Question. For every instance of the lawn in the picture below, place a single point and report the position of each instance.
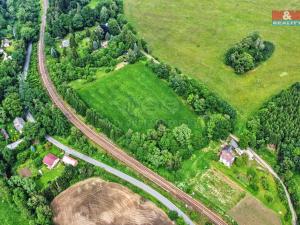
(134, 98)
(194, 35)
(9, 215)
(34, 163)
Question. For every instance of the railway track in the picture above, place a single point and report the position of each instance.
(102, 141)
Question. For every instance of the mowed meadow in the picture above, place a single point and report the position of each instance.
(134, 98)
(194, 35)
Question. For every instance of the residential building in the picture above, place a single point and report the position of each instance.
(15, 144)
(69, 161)
(65, 43)
(19, 124)
(5, 43)
(50, 161)
(226, 156)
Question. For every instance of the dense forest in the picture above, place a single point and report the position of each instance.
(277, 124)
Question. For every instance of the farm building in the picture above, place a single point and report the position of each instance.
(19, 124)
(226, 156)
(69, 161)
(50, 161)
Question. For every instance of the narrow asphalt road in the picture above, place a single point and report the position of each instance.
(105, 143)
(121, 175)
(264, 164)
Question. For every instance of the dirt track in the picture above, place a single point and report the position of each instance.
(106, 144)
(96, 202)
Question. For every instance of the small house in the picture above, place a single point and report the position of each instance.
(226, 156)
(5, 43)
(19, 124)
(65, 43)
(4, 133)
(15, 144)
(50, 161)
(69, 161)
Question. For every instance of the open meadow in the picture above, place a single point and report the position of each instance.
(134, 98)
(194, 35)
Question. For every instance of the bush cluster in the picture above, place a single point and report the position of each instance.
(248, 53)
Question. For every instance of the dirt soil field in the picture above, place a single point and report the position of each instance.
(96, 202)
(249, 206)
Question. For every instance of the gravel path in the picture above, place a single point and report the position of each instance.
(270, 169)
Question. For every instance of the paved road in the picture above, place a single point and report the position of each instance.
(102, 141)
(264, 164)
(121, 175)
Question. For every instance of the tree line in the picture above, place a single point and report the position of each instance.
(220, 117)
(277, 124)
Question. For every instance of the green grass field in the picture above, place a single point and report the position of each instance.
(194, 35)
(134, 98)
(9, 216)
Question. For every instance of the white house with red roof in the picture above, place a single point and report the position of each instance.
(69, 161)
(50, 161)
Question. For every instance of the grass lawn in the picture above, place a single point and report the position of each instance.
(194, 36)
(34, 163)
(50, 175)
(9, 215)
(134, 98)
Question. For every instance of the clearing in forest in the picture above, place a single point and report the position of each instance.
(134, 98)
